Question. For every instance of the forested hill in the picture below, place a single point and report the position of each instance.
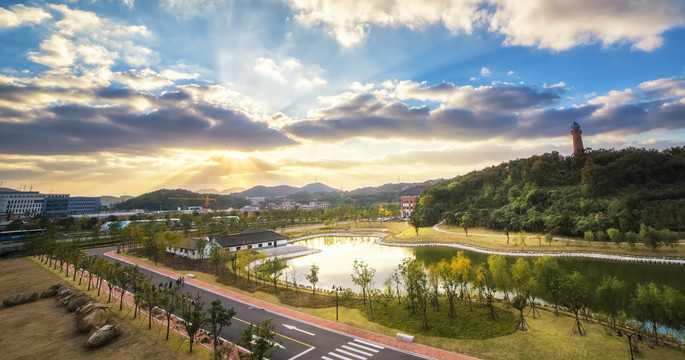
(164, 199)
(593, 191)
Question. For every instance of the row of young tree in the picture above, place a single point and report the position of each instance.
(522, 285)
(592, 191)
(195, 318)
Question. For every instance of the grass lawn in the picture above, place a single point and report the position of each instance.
(492, 240)
(41, 329)
(549, 336)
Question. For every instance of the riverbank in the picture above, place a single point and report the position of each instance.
(490, 242)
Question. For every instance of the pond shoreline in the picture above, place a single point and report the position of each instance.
(572, 254)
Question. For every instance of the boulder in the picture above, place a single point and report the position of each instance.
(65, 300)
(91, 316)
(32, 298)
(48, 294)
(103, 335)
(64, 291)
(56, 287)
(76, 302)
(15, 299)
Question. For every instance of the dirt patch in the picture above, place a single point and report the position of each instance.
(43, 330)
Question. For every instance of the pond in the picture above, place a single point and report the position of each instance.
(339, 252)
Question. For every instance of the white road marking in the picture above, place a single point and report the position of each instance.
(357, 350)
(368, 343)
(326, 358)
(350, 354)
(362, 346)
(302, 353)
(339, 356)
(292, 327)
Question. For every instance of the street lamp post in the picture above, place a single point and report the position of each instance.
(336, 288)
(630, 338)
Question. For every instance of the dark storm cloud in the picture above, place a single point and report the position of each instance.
(510, 112)
(511, 98)
(115, 93)
(76, 129)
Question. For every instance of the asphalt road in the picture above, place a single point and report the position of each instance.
(297, 339)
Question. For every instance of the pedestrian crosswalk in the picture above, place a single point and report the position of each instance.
(354, 350)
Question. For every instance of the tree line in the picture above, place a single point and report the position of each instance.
(592, 191)
(199, 321)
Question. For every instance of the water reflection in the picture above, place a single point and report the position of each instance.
(339, 252)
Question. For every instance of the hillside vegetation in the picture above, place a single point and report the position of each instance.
(590, 192)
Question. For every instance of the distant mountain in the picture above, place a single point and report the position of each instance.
(167, 199)
(285, 190)
(232, 190)
(109, 200)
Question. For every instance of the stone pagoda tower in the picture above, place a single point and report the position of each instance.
(577, 139)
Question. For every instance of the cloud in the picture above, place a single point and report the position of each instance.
(350, 20)
(491, 112)
(485, 72)
(56, 52)
(556, 25)
(289, 70)
(563, 25)
(19, 15)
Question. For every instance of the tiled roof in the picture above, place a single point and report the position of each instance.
(249, 237)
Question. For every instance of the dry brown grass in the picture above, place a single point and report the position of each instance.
(43, 330)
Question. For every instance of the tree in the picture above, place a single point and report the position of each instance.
(650, 237)
(616, 236)
(98, 269)
(574, 296)
(258, 340)
(487, 287)
(201, 246)
(589, 236)
(416, 283)
(150, 297)
(611, 297)
(521, 273)
(434, 281)
(192, 311)
(313, 277)
(659, 305)
(274, 270)
(218, 318)
(466, 223)
(462, 267)
(549, 276)
(549, 238)
(111, 274)
(217, 257)
(449, 276)
(630, 238)
(500, 274)
(362, 276)
(123, 280)
(170, 302)
(519, 303)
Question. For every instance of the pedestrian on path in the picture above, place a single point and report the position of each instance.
(183, 281)
(171, 284)
(178, 281)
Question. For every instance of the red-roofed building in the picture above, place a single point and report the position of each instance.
(408, 199)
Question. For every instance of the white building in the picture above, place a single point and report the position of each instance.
(26, 203)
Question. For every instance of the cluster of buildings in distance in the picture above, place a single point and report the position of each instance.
(15, 204)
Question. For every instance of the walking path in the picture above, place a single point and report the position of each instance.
(667, 261)
(342, 328)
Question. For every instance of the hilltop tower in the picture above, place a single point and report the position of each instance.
(577, 139)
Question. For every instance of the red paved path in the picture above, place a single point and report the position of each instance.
(350, 330)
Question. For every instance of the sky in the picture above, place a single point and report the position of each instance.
(116, 97)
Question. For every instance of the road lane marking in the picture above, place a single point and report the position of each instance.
(339, 356)
(293, 327)
(302, 353)
(362, 346)
(368, 343)
(357, 350)
(326, 358)
(350, 354)
(275, 333)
